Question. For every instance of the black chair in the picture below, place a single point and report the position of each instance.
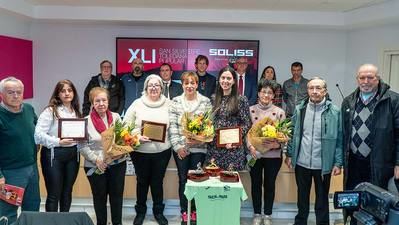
(54, 218)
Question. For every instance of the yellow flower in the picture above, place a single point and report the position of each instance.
(269, 131)
(124, 132)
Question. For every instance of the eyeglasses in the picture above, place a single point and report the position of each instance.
(17, 93)
(317, 88)
(241, 63)
(153, 85)
(268, 93)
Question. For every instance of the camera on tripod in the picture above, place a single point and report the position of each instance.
(371, 204)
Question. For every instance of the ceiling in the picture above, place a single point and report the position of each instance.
(270, 5)
(329, 14)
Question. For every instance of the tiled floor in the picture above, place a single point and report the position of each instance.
(283, 214)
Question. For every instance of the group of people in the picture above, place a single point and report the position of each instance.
(361, 136)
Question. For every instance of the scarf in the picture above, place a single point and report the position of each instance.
(98, 123)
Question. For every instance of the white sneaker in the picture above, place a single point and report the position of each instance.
(267, 220)
(257, 220)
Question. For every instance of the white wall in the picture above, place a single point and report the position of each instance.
(73, 51)
(14, 25)
(366, 46)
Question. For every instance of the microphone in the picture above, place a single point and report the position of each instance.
(339, 89)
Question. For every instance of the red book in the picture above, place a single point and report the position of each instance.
(12, 194)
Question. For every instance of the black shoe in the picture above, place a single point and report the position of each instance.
(161, 219)
(139, 219)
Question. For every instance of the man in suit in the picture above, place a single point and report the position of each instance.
(206, 81)
(247, 83)
(172, 89)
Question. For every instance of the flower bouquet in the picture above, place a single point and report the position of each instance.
(269, 130)
(198, 126)
(118, 140)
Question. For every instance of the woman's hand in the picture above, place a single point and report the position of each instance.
(252, 151)
(144, 139)
(271, 144)
(2, 183)
(67, 141)
(182, 153)
(230, 146)
(288, 162)
(101, 165)
(191, 142)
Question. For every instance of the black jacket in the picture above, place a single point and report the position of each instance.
(384, 154)
(116, 94)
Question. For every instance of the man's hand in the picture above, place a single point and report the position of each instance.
(66, 141)
(336, 171)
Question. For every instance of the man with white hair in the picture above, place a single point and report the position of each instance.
(371, 131)
(18, 149)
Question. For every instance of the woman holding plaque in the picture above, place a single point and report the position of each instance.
(270, 74)
(231, 112)
(150, 116)
(106, 179)
(187, 153)
(264, 171)
(59, 157)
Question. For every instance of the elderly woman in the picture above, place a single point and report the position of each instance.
(106, 179)
(152, 157)
(230, 110)
(59, 157)
(187, 153)
(267, 166)
(270, 74)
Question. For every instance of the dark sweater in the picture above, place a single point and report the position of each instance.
(18, 148)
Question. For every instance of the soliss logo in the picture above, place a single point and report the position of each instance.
(229, 52)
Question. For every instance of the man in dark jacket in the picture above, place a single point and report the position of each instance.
(112, 83)
(371, 131)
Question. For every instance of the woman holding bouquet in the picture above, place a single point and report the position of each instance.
(268, 164)
(230, 110)
(59, 157)
(187, 152)
(106, 179)
(152, 157)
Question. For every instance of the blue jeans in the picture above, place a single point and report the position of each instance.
(28, 178)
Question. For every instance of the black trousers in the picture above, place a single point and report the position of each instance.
(264, 173)
(183, 165)
(111, 183)
(303, 177)
(150, 170)
(59, 177)
(358, 171)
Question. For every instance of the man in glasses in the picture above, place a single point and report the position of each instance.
(315, 150)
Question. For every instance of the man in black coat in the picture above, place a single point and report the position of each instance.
(112, 83)
(371, 131)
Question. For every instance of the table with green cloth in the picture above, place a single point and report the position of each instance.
(217, 203)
